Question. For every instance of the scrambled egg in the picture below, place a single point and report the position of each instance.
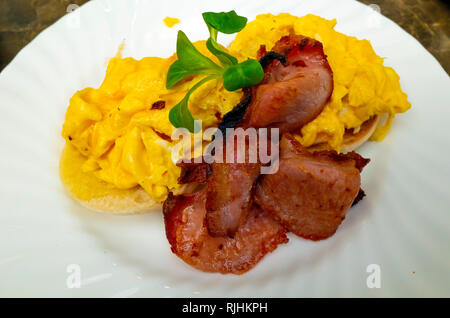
(363, 87)
(170, 22)
(117, 139)
(123, 140)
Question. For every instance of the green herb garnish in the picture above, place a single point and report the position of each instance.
(191, 62)
(225, 22)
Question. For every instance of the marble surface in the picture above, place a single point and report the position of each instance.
(426, 20)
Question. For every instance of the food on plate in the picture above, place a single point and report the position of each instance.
(320, 94)
(123, 138)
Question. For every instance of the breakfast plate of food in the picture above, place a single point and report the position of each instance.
(224, 149)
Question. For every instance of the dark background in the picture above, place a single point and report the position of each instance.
(427, 20)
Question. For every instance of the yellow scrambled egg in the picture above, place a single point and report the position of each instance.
(122, 139)
(117, 139)
(363, 87)
(170, 22)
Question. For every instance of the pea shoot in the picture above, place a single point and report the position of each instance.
(190, 62)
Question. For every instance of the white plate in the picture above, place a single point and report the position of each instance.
(402, 225)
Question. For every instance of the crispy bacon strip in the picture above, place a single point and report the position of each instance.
(184, 218)
(292, 93)
(311, 193)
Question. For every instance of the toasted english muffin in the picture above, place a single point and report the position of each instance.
(100, 196)
(96, 194)
(352, 141)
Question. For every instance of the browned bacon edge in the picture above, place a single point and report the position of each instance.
(193, 172)
(186, 231)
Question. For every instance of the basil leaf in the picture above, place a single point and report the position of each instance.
(180, 116)
(191, 59)
(242, 75)
(224, 58)
(225, 22)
